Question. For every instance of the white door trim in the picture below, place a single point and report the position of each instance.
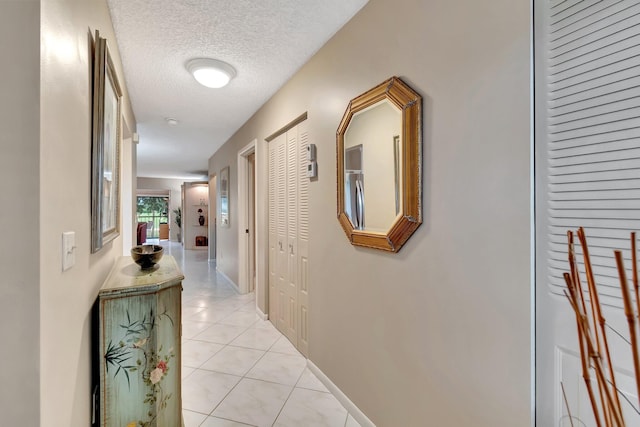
(243, 216)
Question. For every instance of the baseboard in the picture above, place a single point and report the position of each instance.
(225, 277)
(261, 315)
(355, 412)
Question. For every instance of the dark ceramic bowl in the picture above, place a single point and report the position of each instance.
(146, 256)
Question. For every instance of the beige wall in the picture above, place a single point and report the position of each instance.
(19, 213)
(65, 155)
(440, 332)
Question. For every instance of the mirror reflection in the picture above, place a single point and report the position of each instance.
(372, 153)
(379, 153)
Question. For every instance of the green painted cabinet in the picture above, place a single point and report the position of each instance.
(137, 331)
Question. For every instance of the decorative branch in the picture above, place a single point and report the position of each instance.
(592, 341)
(629, 313)
(575, 287)
(595, 302)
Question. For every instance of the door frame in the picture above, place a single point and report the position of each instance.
(213, 215)
(244, 266)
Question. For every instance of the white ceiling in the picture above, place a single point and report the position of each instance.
(266, 41)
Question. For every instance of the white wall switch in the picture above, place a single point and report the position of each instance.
(68, 250)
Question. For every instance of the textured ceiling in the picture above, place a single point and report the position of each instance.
(266, 41)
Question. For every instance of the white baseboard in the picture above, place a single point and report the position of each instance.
(225, 277)
(355, 412)
(261, 315)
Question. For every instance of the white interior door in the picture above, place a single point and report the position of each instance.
(289, 235)
(587, 79)
(273, 235)
(302, 253)
(290, 290)
(251, 205)
(282, 254)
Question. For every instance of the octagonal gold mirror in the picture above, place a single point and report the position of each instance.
(379, 154)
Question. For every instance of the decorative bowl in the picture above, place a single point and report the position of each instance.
(146, 256)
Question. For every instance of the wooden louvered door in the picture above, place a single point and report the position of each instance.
(587, 174)
(289, 235)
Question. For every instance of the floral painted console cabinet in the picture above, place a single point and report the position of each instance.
(137, 331)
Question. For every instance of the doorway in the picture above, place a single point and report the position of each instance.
(213, 214)
(586, 169)
(247, 218)
(154, 211)
(288, 232)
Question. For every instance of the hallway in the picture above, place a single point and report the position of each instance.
(238, 370)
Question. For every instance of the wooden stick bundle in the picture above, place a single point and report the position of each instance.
(591, 326)
(597, 313)
(575, 288)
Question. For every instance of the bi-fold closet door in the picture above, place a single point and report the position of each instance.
(289, 235)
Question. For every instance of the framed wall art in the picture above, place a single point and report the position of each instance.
(224, 197)
(105, 148)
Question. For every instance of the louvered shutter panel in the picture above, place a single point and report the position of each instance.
(292, 184)
(273, 236)
(303, 241)
(593, 134)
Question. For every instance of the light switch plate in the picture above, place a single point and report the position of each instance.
(68, 250)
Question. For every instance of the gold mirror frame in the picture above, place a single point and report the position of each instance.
(410, 104)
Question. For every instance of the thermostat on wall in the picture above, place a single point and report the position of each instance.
(312, 169)
(311, 152)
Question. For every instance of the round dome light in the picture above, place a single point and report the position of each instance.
(211, 72)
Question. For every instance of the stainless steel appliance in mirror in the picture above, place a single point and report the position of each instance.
(354, 186)
(379, 166)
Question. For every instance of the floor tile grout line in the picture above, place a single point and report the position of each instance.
(287, 399)
(240, 305)
(225, 396)
(228, 419)
(244, 376)
(234, 387)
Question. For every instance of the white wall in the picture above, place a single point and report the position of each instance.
(65, 156)
(129, 199)
(19, 213)
(438, 333)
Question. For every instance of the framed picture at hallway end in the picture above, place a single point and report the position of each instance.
(105, 148)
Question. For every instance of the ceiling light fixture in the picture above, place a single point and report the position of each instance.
(211, 72)
(171, 121)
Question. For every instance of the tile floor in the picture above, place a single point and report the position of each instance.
(238, 370)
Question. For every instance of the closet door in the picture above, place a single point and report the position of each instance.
(587, 174)
(302, 253)
(282, 257)
(273, 236)
(289, 235)
(290, 291)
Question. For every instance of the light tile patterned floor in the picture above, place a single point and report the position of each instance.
(238, 370)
